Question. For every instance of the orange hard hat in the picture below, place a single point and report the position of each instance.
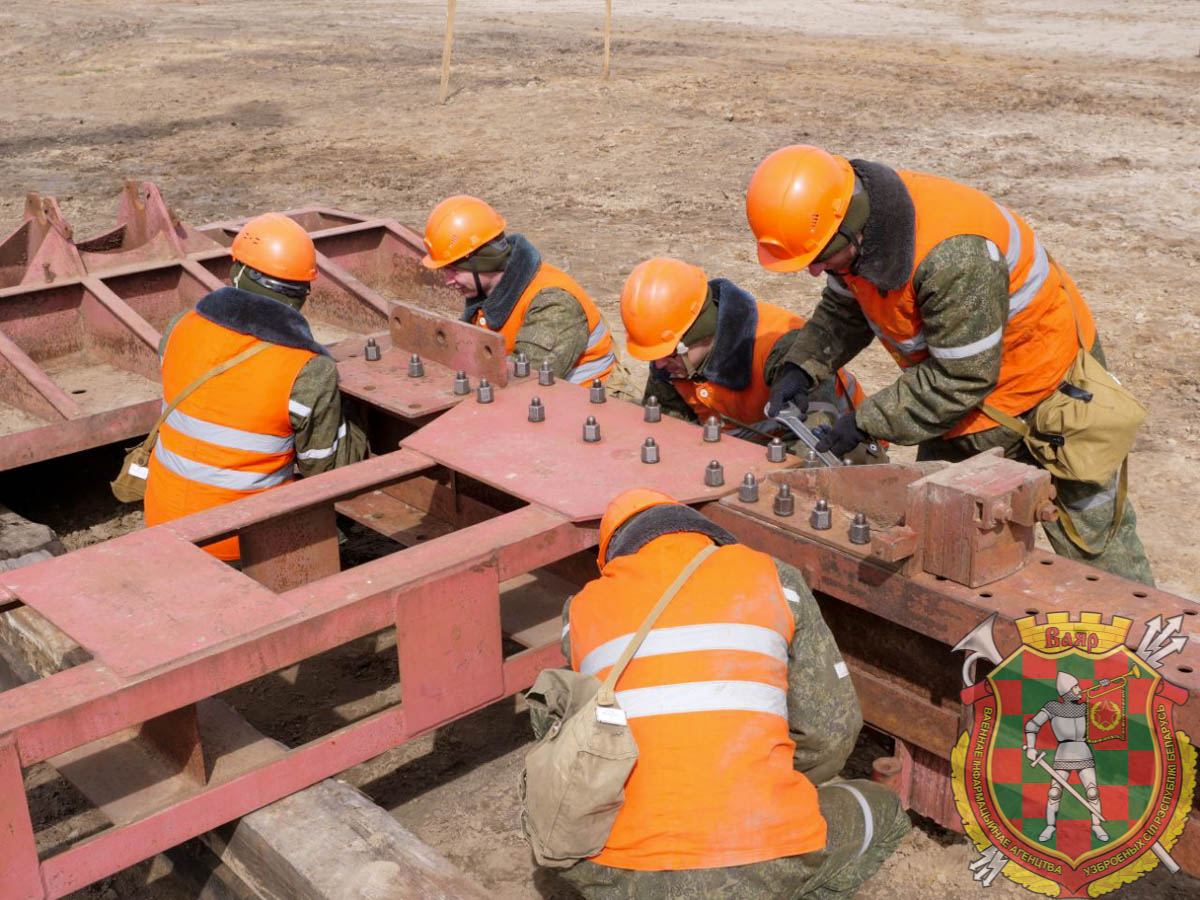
(276, 246)
(624, 507)
(661, 299)
(457, 227)
(795, 203)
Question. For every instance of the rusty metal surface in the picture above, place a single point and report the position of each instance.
(80, 321)
(550, 464)
(456, 345)
(385, 383)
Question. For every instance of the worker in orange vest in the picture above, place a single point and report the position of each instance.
(739, 703)
(716, 351)
(539, 309)
(961, 293)
(276, 414)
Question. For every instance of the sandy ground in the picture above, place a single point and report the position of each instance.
(1081, 116)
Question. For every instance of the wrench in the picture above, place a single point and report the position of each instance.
(790, 417)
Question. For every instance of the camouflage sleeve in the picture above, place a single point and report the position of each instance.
(326, 437)
(962, 292)
(822, 409)
(835, 334)
(555, 325)
(162, 341)
(671, 400)
(566, 630)
(824, 717)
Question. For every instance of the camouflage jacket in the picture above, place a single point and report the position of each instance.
(326, 435)
(961, 291)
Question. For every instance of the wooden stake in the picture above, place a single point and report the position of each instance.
(607, 33)
(446, 51)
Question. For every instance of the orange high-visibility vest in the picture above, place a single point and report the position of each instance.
(747, 406)
(597, 359)
(706, 698)
(233, 436)
(1039, 340)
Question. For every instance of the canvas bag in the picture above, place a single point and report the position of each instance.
(1083, 431)
(130, 483)
(573, 784)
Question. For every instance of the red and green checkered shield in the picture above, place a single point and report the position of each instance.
(1132, 742)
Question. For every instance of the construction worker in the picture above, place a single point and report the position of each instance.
(962, 294)
(715, 350)
(538, 308)
(739, 703)
(275, 414)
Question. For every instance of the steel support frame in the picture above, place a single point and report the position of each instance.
(443, 598)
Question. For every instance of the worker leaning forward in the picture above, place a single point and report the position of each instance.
(715, 350)
(270, 416)
(739, 704)
(539, 309)
(963, 296)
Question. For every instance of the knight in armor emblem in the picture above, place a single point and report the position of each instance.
(1068, 720)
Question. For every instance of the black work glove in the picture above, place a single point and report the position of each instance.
(792, 384)
(840, 438)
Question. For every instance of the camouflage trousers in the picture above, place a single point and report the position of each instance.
(855, 849)
(1091, 507)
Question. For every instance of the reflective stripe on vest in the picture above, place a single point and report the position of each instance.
(224, 436)
(325, 452)
(587, 371)
(228, 479)
(703, 696)
(690, 638)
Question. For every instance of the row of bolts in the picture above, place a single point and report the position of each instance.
(821, 517)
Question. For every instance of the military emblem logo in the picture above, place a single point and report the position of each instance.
(1072, 779)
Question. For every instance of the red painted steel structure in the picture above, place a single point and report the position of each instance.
(478, 495)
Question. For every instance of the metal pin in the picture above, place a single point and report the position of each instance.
(821, 518)
(545, 373)
(596, 393)
(712, 429)
(811, 460)
(462, 384)
(860, 529)
(537, 412)
(714, 474)
(650, 451)
(591, 430)
(776, 452)
(416, 368)
(371, 351)
(484, 393)
(748, 491)
(521, 365)
(652, 411)
(785, 503)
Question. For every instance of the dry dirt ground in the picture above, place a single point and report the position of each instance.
(1081, 116)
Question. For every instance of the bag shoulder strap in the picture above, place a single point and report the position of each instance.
(1012, 423)
(606, 696)
(256, 347)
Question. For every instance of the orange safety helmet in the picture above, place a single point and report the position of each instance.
(457, 227)
(624, 507)
(795, 203)
(661, 299)
(276, 246)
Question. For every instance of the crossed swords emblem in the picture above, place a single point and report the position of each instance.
(1159, 641)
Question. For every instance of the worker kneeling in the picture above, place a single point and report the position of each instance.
(251, 398)
(716, 351)
(735, 703)
(539, 309)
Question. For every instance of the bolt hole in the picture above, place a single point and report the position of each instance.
(1189, 612)
(1185, 669)
(1047, 562)
(487, 351)
(79, 391)
(440, 337)
(1093, 577)
(368, 387)
(940, 577)
(985, 593)
(1140, 594)
(1031, 612)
